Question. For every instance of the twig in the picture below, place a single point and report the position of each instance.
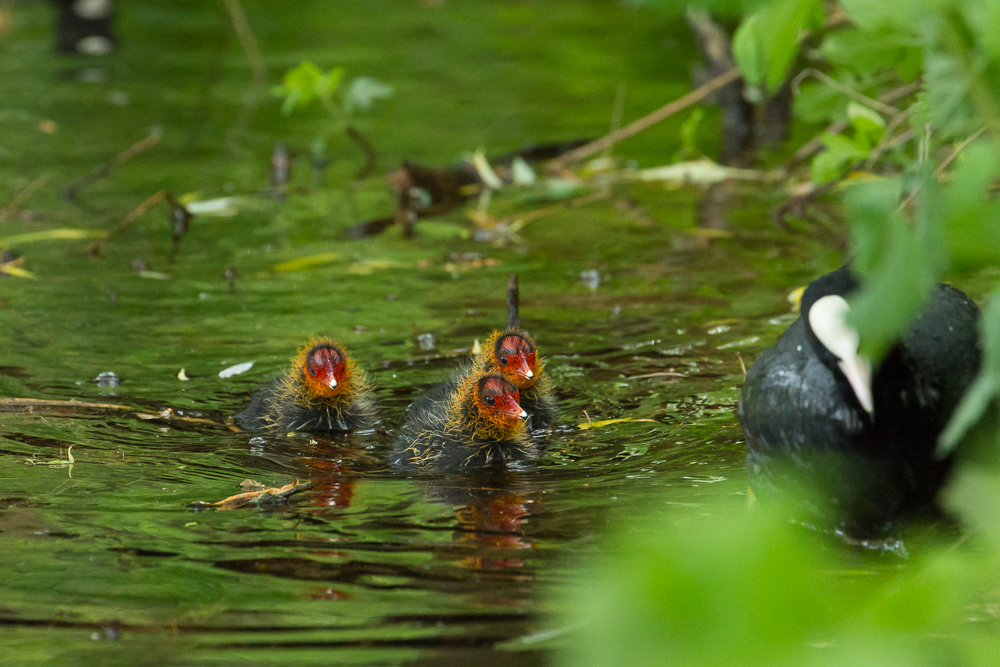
(105, 169)
(888, 139)
(616, 115)
(247, 40)
(371, 156)
(954, 154)
(24, 193)
(637, 126)
(29, 404)
(815, 145)
(846, 90)
(513, 302)
(258, 69)
(939, 172)
(136, 213)
(521, 220)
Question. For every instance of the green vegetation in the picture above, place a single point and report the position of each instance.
(918, 183)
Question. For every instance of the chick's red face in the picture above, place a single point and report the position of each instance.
(499, 397)
(325, 367)
(515, 357)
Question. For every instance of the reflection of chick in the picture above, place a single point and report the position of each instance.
(513, 354)
(478, 423)
(324, 390)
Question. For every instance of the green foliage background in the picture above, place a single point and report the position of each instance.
(921, 203)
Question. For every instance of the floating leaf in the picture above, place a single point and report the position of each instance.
(153, 275)
(363, 91)
(607, 422)
(60, 234)
(306, 262)
(236, 370)
(256, 497)
(223, 207)
(15, 271)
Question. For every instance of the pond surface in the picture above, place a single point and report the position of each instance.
(104, 561)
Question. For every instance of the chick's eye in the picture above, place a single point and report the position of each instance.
(490, 400)
(503, 361)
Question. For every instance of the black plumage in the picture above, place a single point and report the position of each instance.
(807, 429)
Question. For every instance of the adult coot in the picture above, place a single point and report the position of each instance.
(858, 444)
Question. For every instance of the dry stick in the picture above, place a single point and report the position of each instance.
(616, 115)
(136, 213)
(846, 90)
(522, 220)
(247, 40)
(24, 193)
(18, 404)
(513, 302)
(371, 156)
(939, 172)
(117, 161)
(257, 66)
(637, 126)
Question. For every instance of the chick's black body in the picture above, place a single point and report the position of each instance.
(272, 409)
(806, 429)
(443, 432)
(323, 390)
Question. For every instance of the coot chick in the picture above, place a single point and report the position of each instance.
(859, 442)
(324, 390)
(513, 354)
(477, 424)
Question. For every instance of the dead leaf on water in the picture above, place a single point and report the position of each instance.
(709, 233)
(365, 267)
(168, 414)
(256, 497)
(236, 370)
(60, 234)
(306, 262)
(721, 323)
(153, 275)
(607, 422)
(13, 268)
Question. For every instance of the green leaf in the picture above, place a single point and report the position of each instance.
(304, 84)
(872, 205)
(944, 101)
(868, 125)
(817, 102)
(900, 263)
(839, 154)
(972, 224)
(767, 42)
(865, 51)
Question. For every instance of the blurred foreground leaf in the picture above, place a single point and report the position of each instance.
(749, 589)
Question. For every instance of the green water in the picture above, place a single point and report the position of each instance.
(103, 562)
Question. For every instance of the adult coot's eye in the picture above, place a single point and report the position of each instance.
(503, 361)
(490, 400)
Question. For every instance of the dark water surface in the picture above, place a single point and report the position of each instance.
(102, 560)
